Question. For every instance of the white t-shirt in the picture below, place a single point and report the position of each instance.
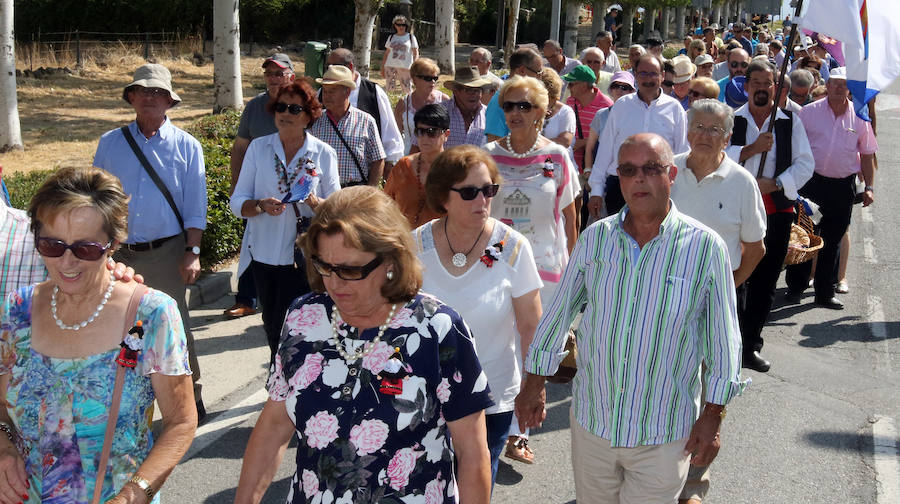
(561, 122)
(483, 297)
(531, 201)
(401, 47)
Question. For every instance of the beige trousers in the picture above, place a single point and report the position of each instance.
(643, 475)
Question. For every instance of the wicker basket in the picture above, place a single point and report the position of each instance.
(797, 252)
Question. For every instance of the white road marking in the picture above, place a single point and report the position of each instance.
(869, 250)
(209, 432)
(887, 460)
(867, 215)
(877, 324)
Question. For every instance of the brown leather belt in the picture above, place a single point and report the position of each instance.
(145, 246)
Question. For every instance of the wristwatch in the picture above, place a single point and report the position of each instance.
(778, 184)
(259, 207)
(144, 485)
(194, 250)
(870, 188)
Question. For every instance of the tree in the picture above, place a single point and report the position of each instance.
(627, 24)
(227, 56)
(570, 39)
(10, 131)
(445, 35)
(511, 28)
(362, 33)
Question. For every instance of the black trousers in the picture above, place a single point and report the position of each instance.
(277, 287)
(835, 199)
(614, 200)
(756, 295)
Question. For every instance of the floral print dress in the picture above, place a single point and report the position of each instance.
(358, 441)
(60, 406)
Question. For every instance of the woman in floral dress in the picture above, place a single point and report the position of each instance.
(372, 376)
(273, 165)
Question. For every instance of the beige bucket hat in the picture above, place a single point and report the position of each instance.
(152, 75)
(338, 74)
(467, 77)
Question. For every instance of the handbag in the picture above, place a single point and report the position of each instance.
(153, 175)
(568, 367)
(130, 314)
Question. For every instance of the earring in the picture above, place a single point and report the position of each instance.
(390, 274)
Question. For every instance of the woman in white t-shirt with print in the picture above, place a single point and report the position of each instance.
(484, 270)
(400, 50)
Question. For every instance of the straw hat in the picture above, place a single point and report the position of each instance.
(338, 74)
(152, 75)
(684, 69)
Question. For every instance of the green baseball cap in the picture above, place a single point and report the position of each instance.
(581, 73)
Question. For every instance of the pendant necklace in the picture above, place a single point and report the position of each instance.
(459, 259)
(83, 323)
(360, 352)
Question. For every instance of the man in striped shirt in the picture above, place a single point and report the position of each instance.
(658, 296)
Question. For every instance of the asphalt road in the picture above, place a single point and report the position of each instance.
(819, 427)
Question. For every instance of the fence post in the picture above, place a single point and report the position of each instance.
(146, 45)
(79, 62)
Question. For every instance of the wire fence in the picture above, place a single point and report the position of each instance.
(75, 47)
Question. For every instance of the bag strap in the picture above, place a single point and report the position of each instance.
(113, 417)
(153, 175)
(352, 154)
(287, 183)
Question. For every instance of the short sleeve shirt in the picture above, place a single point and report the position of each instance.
(401, 47)
(361, 134)
(256, 121)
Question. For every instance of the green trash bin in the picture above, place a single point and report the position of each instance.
(314, 56)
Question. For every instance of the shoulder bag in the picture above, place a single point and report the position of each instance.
(153, 175)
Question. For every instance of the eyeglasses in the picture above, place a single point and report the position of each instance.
(668, 83)
(648, 75)
(350, 273)
(428, 78)
(535, 72)
(150, 91)
(522, 106)
(593, 62)
(402, 24)
(279, 74)
(695, 94)
(84, 250)
(708, 130)
(469, 193)
(469, 90)
(621, 87)
(649, 169)
(742, 64)
(429, 132)
(293, 108)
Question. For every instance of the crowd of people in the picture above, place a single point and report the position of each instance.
(423, 268)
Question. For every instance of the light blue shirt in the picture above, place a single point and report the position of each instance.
(177, 158)
(495, 120)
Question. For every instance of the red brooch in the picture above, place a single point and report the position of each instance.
(310, 167)
(492, 254)
(549, 167)
(131, 346)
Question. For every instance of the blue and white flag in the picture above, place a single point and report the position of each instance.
(870, 33)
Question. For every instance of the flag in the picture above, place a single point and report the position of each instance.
(871, 42)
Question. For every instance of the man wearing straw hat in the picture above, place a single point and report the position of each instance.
(466, 110)
(684, 72)
(350, 131)
(161, 167)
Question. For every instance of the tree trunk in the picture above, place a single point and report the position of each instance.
(227, 56)
(570, 39)
(362, 33)
(512, 26)
(679, 23)
(627, 25)
(10, 131)
(597, 23)
(444, 36)
(555, 12)
(717, 15)
(666, 22)
(649, 18)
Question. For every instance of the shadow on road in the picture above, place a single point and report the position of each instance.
(276, 493)
(842, 440)
(844, 329)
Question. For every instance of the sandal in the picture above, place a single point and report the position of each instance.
(517, 449)
(842, 287)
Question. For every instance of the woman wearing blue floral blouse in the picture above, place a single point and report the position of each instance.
(371, 376)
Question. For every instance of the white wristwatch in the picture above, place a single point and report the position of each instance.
(193, 250)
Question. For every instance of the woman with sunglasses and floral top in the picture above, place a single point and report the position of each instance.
(400, 50)
(485, 270)
(62, 345)
(372, 376)
(283, 178)
(425, 75)
(406, 183)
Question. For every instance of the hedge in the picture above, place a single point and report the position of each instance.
(222, 238)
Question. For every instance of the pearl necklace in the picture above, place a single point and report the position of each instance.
(360, 352)
(83, 323)
(527, 153)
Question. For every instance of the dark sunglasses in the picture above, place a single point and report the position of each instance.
(293, 108)
(649, 169)
(695, 94)
(668, 83)
(469, 193)
(429, 132)
(84, 250)
(523, 106)
(428, 78)
(621, 87)
(742, 64)
(402, 24)
(351, 273)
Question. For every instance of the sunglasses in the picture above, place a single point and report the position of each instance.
(469, 193)
(428, 78)
(621, 87)
(148, 91)
(278, 74)
(649, 169)
(695, 94)
(648, 75)
(742, 64)
(522, 106)
(429, 132)
(668, 83)
(84, 250)
(293, 108)
(350, 273)
(402, 24)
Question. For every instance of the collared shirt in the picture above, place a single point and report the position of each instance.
(727, 200)
(612, 63)
(361, 134)
(584, 114)
(494, 119)
(837, 141)
(459, 135)
(570, 63)
(22, 265)
(801, 168)
(391, 139)
(256, 121)
(647, 326)
(629, 116)
(177, 158)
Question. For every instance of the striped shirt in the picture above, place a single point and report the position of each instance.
(459, 134)
(361, 134)
(21, 264)
(651, 316)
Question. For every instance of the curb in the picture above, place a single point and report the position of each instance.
(212, 286)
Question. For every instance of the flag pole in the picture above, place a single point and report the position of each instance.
(789, 53)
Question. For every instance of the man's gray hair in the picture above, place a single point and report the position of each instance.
(802, 77)
(591, 50)
(554, 44)
(713, 107)
(637, 46)
(482, 52)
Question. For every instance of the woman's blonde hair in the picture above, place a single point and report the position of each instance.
(709, 86)
(372, 222)
(535, 91)
(424, 66)
(553, 84)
